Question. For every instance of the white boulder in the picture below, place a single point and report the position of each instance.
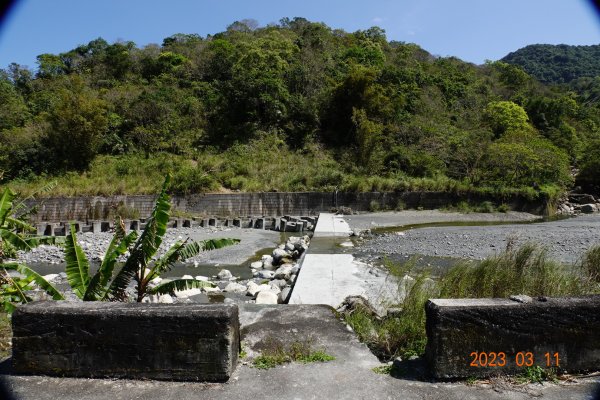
(265, 274)
(266, 297)
(256, 265)
(283, 272)
(234, 288)
(224, 275)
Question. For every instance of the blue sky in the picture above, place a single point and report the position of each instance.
(473, 30)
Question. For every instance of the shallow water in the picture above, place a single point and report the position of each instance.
(402, 228)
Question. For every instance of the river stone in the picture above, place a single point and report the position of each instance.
(252, 289)
(235, 288)
(256, 265)
(289, 247)
(278, 254)
(165, 299)
(210, 289)
(268, 265)
(184, 294)
(51, 278)
(202, 278)
(262, 287)
(284, 295)
(581, 198)
(283, 272)
(589, 208)
(264, 274)
(266, 297)
(280, 283)
(156, 280)
(267, 258)
(187, 277)
(274, 288)
(224, 275)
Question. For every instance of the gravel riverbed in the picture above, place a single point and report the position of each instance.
(95, 245)
(566, 239)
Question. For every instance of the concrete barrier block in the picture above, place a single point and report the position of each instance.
(41, 229)
(196, 342)
(482, 337)
(96, 226)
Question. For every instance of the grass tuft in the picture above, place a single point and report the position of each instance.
(524, 270)
(276, 353)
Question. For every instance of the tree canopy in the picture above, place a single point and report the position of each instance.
(358, 106)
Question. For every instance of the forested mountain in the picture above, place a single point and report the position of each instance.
(294, 106)
(557, 63)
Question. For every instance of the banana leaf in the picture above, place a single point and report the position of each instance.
(37, 278)
(15, 239)
(78, 267)
(6, 205)
(146, 245)
(99, 284)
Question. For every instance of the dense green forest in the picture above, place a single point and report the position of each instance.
(290, 107)
(557, 63)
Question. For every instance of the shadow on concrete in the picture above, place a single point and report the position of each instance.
(410, 370)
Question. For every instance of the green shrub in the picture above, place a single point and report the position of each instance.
(503, 208)
(485, 207)
(590, 264)
(403, 335)
(526, 270)
(374, 206)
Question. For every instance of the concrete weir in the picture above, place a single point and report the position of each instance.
(327, 278)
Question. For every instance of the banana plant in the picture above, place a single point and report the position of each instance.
(138, 266)
(14, 290)
(16, 232)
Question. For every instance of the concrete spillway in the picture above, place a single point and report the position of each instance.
(327, 278)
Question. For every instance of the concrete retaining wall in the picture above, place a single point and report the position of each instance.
(55, 209)
(462, 334)
(196, 342)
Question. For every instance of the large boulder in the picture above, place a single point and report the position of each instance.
(581, 198)
(233, 287)
(224, 275)
(284, 295)
(266, 297)
(184, 294)
(284, 272)
(279, 254)
(252, 289)
(589, 208)
(265, 274)
(256, 265)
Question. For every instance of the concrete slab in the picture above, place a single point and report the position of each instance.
(332, 225)
(327, 279)
(349, 376)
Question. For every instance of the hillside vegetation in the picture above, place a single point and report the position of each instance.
(557, 63)
(294, 106)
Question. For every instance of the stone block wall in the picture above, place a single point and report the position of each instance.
(483, 337)
(191, 342)
(55, 209)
